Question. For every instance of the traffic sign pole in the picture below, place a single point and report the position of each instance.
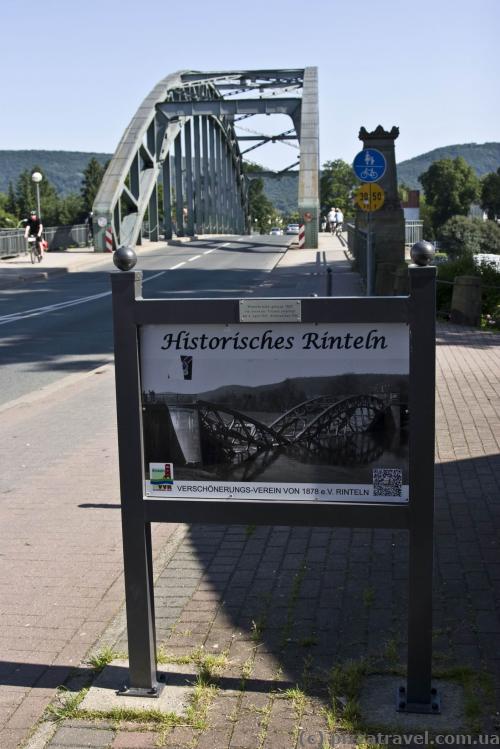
(369, 257)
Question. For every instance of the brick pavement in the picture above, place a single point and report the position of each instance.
(60, 539)
(286, 606)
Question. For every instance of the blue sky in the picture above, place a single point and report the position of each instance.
(429, 66)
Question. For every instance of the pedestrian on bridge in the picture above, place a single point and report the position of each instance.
(331, 219)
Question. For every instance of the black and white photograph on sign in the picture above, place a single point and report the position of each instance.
(276, 411)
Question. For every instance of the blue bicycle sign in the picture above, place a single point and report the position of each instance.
(369, 165)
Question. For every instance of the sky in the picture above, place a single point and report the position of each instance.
(74, 73)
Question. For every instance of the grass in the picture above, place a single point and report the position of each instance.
(368, 597)
(479, 692)
(344, 686)
(99, 660)
(294, 594)
(258, 627)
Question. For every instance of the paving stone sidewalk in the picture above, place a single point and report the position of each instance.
(283, 624)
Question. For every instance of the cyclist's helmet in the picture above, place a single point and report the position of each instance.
(32, 213)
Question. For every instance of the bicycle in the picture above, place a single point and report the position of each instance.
(369, 173)
(35, 249)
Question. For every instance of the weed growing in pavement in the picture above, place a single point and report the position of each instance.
(246, 672)
(250, 530)
(65, 705)
(391, 654)
(296, 586)
(368, 597)
(203, 695)
(264, 723)
(299, 702)
(103, 657)
(344, 687)
(479, 692)
(258, 627)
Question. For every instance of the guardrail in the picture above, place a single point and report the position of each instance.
(12, 241)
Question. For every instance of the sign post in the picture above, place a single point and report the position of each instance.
(236, 411)
(369, 166)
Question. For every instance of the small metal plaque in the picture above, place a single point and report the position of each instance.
(270, 310)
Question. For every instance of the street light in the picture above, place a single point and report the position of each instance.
(36, 177)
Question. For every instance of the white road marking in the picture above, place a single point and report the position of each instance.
(38, 311)
(179, 265)
(207, 252)
(156, 275)
(195, 257)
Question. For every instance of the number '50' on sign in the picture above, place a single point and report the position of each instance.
(369, 197)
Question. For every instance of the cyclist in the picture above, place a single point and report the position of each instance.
(34, 228)
(331, 220)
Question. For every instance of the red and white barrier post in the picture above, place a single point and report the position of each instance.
(302, 236)
(108, 241)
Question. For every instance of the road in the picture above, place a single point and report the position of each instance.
(60, 326)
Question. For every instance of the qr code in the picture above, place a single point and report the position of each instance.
(387, 482)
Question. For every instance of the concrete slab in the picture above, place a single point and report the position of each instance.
(174, 698)
(378, 707)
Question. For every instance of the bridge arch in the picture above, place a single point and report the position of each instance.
(180, 156)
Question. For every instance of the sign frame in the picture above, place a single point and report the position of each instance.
(131, 310)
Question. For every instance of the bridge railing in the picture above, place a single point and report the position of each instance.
(413, 231)
(12, 241)
(357, 242)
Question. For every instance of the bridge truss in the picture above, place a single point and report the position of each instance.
(178, 167)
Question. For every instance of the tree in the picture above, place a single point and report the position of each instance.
(450, 186)
(71, 210)
(336, 184)
(11, 205)
(92, 178)
(462, 236)
(26, 197)
(262, 211)
(7, 220)
(490, 194)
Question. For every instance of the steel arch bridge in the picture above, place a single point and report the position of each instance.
(181, 159)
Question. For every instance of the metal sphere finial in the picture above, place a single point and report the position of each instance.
(124, 258)
(422, 253)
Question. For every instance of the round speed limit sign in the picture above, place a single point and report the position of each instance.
(369, 196)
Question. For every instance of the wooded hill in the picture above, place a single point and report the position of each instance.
(64, 169)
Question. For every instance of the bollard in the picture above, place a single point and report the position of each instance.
(466, 301)
(328, 281)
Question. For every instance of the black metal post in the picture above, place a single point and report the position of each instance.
(328, 281)
(126, 288)
(419, 695)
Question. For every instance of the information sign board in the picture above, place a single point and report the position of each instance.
(282, 411)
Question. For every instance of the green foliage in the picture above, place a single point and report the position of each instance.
(71, 210)
(92, 178)
(263, 215)
(251, 166)
(426, 215)
(451, 186)
(490, 194)
(336, 183)
(7, 219)
(465, 266)
(25, 192)
(468, 236)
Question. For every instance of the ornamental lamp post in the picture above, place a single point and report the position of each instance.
(36, 177)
